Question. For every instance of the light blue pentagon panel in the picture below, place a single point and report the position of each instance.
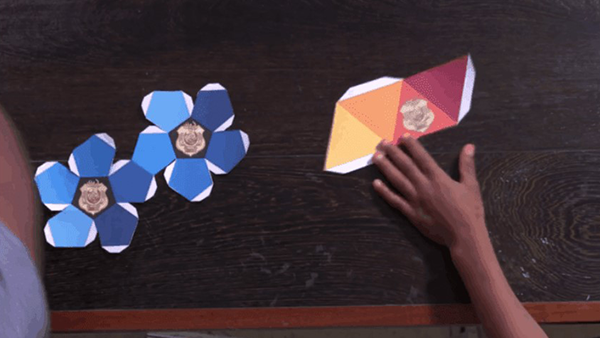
(116, 227)
(167, 109)
(212, 108)
(93, 157)
(226, 150)
(70, 228)
(153, 150)
(131, 183)
(190, 178)
(56, 185)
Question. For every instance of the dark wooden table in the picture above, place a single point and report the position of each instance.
(280, 243)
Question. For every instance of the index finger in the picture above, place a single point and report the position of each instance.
(420, 155)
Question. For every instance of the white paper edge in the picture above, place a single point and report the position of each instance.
(214, 168)
(153, 130)
(467, 93)
(56, 206)
(245, 140)
(203, 194)
(73, 165)
(169, 171)
(117, 165)
(44, 167)
(107, 139)
(130, 208)
(92, 234)
(48, 234)
(213, 86)
(352, 165)
(146, 102)
(225, 124)
(369, 86)
(188, 102)
(152, 189)
(115, 248)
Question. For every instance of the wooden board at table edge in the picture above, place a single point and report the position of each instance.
(304, 317)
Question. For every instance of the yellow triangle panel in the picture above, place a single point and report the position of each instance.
(377, 109)
(351, 143)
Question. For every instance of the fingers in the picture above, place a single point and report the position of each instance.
(395, 200)
(466, 165)
(420, 155)
(403, 162)
(395, 176)
(417, 217)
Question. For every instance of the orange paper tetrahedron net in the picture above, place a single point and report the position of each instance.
(387, 108)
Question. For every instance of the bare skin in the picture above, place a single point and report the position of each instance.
(451, 213)
(18, 207)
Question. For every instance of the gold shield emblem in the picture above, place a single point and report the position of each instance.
(417, 116)
(93, 197)
(190, 138)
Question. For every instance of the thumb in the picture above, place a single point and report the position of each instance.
(467, 165)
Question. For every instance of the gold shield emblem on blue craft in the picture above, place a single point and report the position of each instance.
(190, 139)
(93, 197)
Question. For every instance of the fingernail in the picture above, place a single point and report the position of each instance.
(470, 150)
(406, 136)
(377, 182)
(378, 156)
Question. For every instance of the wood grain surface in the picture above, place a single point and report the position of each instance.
(278, 231)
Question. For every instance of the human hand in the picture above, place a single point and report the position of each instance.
(447, 211)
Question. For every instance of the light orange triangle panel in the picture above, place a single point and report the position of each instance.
(351, 143)
(376, 109)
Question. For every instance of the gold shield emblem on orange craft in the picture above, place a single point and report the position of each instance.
(417, 116)
(93, 197)
(190, 139)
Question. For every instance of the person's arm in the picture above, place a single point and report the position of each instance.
(18, 207)
(451, 213)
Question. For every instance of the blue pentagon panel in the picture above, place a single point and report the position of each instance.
(167, 110)
(70, 228)
(153, 150)
(56, 184)
(116, 227)
(226, 150)
(93, 157)
(190, 178)
(131, 183)
(213, 108)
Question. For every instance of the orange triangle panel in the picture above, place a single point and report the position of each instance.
(376, 109)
